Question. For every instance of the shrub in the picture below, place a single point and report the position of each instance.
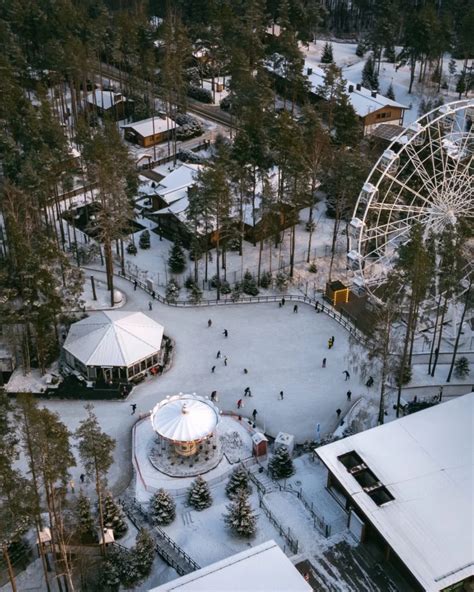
(406, 375)
(312, 267)
(172, 291)
(200, 94)
(223, 284)
(265, 280)
(249, 285)
(282, 281)
(226, 104)
(461, 367)
(132, 249)
(145, 240)
(194, 294)
(236, 292)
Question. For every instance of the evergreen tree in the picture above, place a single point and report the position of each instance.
(238, 480)
(327, 56)
(194, 293)
(145, 240)
(85, 521)
(281, 465)
(390, 94)
(370, 78)
(461, 367)
(162, 508)
(95, 451)
(361, 48)
(176, 259)
(249, 285)
(346, 122)
(114, 517)
(199, 494)
(172, 291)
(461, 85)
(144, 553)
(240, 517)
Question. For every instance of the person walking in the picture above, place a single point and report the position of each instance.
(134, 408)
(135, 284)
(247, 392)
(213, 369)
(209, 323)
(324, 362)
(338, 411)
(295, 308)
(281, 395)
(239, 404)
(254, 415)
(283, 302)
(349, 395)
(150, 306)
(82, 477)
(329, 344)
(225, 333)
(153, 294)
(246, 371)
(218, 355)
(213, 395)
(225, 360)
(332, 340)
(369, 382)
(346, 374)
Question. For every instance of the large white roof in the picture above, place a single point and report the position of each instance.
(174, 186)
(264, 568)
(184, 418)
(153, 125)
(426, 461)
(114, 338)
(362, 100)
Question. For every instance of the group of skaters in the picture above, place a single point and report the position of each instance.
(282, 303)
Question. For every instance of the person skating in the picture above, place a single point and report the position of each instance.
(247, 392)
(324, 362)
(82, 477)
(135, 284)
(369, 382)
(150, 306)
(254, 415)
(295, 308)
(213, 395)
(134, 408)
(283, 302)
(338, 411)
(246, 371)
(332, 339)
(349, 395)
(209, 323)
(239, 403)
(225, 360)
(153, 294)
(225, 333)
(213, 369)
(281, 396)
(329, 344)
(218, 355)
(346, 374)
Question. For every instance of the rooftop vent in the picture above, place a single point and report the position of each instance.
(309, 71)
(374, 93)
(358, 86)
(351, 88)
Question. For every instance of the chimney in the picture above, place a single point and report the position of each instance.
(351, 88)
(374, 93)
(358, 86)
(309, 71)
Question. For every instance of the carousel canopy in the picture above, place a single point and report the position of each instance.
(114, 338)
(184, 418)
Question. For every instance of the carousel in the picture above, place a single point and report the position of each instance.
(186, 441)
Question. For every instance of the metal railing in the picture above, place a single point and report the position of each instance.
(291, 541)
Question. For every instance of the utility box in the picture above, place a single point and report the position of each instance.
(286, 441)
(260, 444)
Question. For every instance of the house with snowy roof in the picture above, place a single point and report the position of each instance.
(107, 103)
(149, 132)
(408, 486)
(371, 107)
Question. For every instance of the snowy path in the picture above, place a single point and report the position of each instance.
(280, 349)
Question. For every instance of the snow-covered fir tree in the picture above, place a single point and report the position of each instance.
(346, 122)
(144, 553)
(85, 521)
(461, 367)
(238, 481)
(194, 293)
(249, 285)
(199, 494)
(327, 56)
(144, 241)
(114, 517)
(162, 508)
(281, 465)
(390, 94)
(240, 517)
(172, 290)
(176, 259)
(370, 78)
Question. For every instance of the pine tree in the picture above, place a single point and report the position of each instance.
(194, 293)
(390, 94)
(327, 56)
(370, 78)
(249, 285)
(162, 508)
(346, 122)
(461, 85)
(361, 49)
(281, 465)
(114, 517)
(177, 259)
(144, 553)
(461, 367)
(199, 494)
(85, 521)
(240, 517)
(145, 240)
(95, 451)
(238, 480)
(172, 291)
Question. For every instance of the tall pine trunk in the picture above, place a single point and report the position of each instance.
(459, 331)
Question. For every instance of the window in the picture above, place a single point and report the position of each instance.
(366, 478)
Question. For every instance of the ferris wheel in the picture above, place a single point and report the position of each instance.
(425, 177)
